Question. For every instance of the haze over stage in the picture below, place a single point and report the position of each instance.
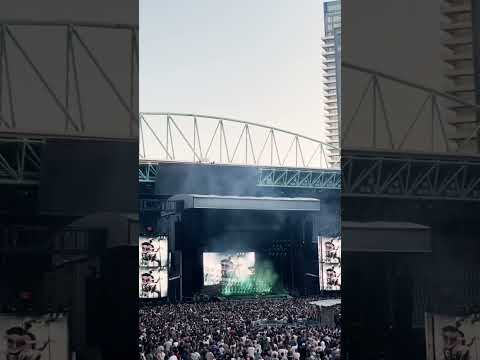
(195, 201)
(223, 209)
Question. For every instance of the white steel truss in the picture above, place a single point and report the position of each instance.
(19, 53)
(211, 139)
(433, 113)
(20, 160)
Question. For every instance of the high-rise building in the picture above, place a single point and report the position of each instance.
(331, 76)
(461, 24)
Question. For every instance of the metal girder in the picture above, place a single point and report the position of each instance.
(147, 172)
(318, 179)
(410, 176)
(20, 160)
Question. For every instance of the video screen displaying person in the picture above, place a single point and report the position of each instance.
(331, 277)
(453, 338)
(330, 268)
(35, 338)
(454, 347)
(222, 268)
(330, 250)
(153, 283)
(228, 269)
(153, 252)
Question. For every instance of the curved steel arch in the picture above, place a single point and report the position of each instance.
(183, 129)
(451, 172)
(433, 109)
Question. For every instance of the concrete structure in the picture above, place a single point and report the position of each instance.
(457, 25)
(331, 89)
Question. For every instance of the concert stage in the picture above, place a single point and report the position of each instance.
(235, 245)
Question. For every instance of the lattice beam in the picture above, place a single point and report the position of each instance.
(20, 161)
(301, 179)
(410, 176)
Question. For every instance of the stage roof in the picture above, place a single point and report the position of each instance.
(384, 236)
(383, 225)
(193, 201)
(117, 225)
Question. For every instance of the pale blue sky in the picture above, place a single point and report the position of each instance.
(255, 60)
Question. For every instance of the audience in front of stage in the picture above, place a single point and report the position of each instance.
(262, 329)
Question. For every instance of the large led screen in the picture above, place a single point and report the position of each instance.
(331, 277)
(34, 337)
(153, 283)
(233, 273)
(330, 250)
(153, 270)
(153, 252)
(450, 337)
(330, 268)
(228, 268)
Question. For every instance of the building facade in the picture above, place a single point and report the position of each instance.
(331, 76)
(460, 20)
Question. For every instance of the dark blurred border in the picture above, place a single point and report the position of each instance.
(410, 171)
(68, 173)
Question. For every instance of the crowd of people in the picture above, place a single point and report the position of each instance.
(257, 329)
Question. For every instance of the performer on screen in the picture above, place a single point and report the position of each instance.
(227, 269)
(21, 344)
(150, 254)
(332, 278)
(150, 288)
(331, 252)
(16, 342)
(454, 347)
